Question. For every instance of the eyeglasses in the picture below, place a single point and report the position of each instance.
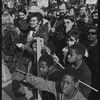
(92, 33)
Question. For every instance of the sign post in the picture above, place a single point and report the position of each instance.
(40, 44)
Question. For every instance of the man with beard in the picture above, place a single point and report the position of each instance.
(59, 24)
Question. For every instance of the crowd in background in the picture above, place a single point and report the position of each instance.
(64, 27)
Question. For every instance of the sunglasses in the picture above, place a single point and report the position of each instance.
(92, 33)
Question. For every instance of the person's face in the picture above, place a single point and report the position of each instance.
(95, 16)
(82, 10)
(81, 2)
(43, 67)
(72, 56)
(67, 85)
(62, 10)
(86, 19)
(34, 46)
(33, 2)
(11, 5)
(71, 12)
(92, 35)
(68, 24)
(57, 14)
(70, 41)
(34, 22)
(54, 14)
(21, 15)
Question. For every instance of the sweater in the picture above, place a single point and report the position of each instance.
(50, 86)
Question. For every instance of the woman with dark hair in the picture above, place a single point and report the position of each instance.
(21, 23)
(9, 39)
(69, 23)
(60, 40)
(10, 34)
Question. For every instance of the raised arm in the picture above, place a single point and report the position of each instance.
(42, 84)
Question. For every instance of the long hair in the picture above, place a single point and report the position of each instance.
(9, 40)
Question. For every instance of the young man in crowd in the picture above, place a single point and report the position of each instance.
(75, 59)
(49, 72)
(68, 85)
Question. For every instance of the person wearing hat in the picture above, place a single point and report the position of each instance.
(33, 9)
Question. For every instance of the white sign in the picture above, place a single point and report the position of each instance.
(91, 1)
(43, 3)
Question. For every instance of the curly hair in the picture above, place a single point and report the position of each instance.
(36, 14)
(73, 72)
(9, 40)
(48, 59)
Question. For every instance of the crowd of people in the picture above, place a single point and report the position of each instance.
(70, 53)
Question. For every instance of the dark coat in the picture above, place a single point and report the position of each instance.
(84, 76)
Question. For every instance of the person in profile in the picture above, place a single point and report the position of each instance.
(75, 59)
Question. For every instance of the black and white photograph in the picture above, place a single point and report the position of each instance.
(50, 50)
